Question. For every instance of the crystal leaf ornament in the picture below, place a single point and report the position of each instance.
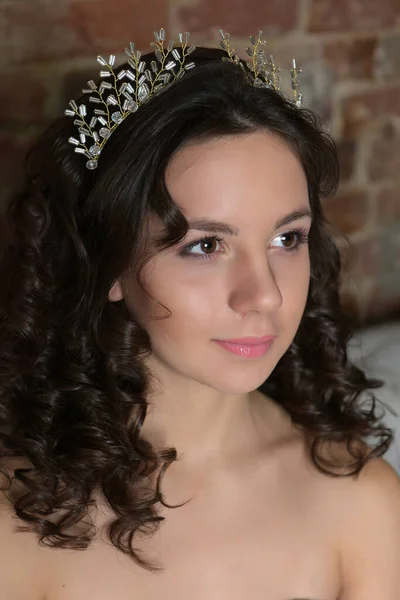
(121, 92)
(264, 70)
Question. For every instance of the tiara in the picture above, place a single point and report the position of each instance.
(121, 93)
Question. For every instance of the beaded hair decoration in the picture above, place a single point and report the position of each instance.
(121, 94)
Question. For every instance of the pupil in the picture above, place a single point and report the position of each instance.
(288, 239)
(208, 245)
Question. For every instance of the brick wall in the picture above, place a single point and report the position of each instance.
(350, 53)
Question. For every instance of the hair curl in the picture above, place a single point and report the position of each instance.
(73, 381)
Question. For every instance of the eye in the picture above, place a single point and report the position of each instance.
(292, 240)
(207, 246)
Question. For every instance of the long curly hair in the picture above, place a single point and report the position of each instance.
(73, 380)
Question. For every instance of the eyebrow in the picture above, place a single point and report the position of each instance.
(219, 227)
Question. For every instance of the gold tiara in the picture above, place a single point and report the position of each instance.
(121, 94)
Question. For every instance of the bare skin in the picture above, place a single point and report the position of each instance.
(262, 522)
(269, 527)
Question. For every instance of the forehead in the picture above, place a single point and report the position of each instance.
(244, 179)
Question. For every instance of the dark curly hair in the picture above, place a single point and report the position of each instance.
(73, 380)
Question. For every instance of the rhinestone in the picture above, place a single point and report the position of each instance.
(111, 99)
(116, 117)
(143, 93)
(91, 165)
(105, 133)
(131, 105)
(95, 150)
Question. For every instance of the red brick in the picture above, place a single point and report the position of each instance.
(347, 212)
(359, 15)
(109, 25)
(387, 64)
(40, 30)
(239, 17)
(384, 154)
(362, 108)
(347, 158)
(37, 30)
(388, 205)
(376, 256)
(361, 260)
(22, 98)
(351, 59)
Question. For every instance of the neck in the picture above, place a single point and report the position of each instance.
(204, 425)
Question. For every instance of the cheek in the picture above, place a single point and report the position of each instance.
(293, 280)
(177, 303)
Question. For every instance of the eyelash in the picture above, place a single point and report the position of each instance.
(301, 234)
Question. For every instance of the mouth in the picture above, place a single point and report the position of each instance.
(250, 341)
(248, 347)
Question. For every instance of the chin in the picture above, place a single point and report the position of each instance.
(241, 381)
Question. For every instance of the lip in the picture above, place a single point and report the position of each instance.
(246, 350)
(250, 341)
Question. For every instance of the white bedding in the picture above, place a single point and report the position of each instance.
(377, 350)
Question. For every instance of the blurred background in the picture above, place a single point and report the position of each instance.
(350, 54)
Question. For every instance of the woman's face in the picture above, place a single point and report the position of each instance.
(248, 277)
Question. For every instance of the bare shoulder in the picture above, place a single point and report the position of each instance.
(369, 533)
(20, 554)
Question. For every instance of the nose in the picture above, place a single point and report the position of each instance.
(254, 288)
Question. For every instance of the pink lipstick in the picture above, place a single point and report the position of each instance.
(250, 347)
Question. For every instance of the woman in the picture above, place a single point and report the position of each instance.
(176, 398)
